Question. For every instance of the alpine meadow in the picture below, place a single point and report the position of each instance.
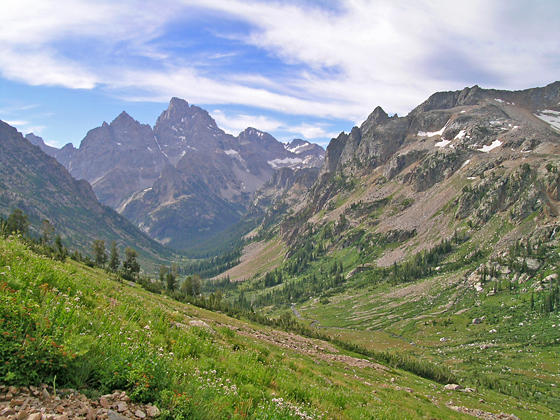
(247, 209)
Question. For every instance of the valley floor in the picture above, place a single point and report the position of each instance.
(68, 325)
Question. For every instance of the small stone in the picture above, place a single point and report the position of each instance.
(60, 409)
(13, 390)
(62, 417)
(45, 394)
(392, 380)
(104, 402)
(8, 411)
(35, 416)
(22, 415)
(140, 414)
(16, 402)
(121, 406)
(112, 415)
(91, 414)
(152, 411)
(453, 387)
(476, 321)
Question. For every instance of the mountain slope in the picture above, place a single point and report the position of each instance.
(95, 334)
(43, 189)
(435, 234)
(185, 180)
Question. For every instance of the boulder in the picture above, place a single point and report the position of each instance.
(453, 387)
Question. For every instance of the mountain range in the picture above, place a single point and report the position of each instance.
(428, 242)
(44, 190)
(183, 180)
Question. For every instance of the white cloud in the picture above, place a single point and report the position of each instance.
(16, 123)
(234, 124)
(364, 54)
(40, 68)
(25, 127)
(312, 131)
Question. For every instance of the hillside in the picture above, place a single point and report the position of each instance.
(434, 234)
(68, 325)
(41, 187)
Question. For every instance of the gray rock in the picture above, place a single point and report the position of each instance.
(152, 411)
(113, 415)
(453, 387)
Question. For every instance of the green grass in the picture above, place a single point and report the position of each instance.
(78, 327)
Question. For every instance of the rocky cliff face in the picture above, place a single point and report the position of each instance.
(459, 159)
(472, 118)
(183, 180)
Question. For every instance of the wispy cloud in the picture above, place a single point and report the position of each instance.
(233, 123)
(26, 127)
(307, 59)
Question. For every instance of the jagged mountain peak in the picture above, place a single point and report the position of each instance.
(179, 111)
(40, 143)
(255, 135)
(124, 118)
(296, 143)
(378, 116)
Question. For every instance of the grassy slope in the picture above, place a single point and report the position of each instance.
(257, 259)
(69, 324)
(514, 349)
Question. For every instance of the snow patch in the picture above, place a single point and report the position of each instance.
(278, 163)
(499, 100)
(231, 152)
(433, 133)
(465, 163)
(119, 144)
(298, 149)
(486, 148)
(460, 134)
(550, 117)
(442, 143)
(462, 112)
(159, 147)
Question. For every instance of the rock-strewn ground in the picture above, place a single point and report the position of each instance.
(43, 403)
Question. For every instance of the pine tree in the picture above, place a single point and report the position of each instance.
(17, 222)
(130, 266)
(47, 231)
(60, 251)
(99, 252)
(114, 257)
(171, 281)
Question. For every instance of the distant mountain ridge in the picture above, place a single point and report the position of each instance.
(41, 187)
(184, 179)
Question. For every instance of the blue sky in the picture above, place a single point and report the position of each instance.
(293, 68)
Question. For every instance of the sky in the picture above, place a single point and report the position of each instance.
(296, 69)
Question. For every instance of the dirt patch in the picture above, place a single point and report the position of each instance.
(316, 349)
(482, 414)
(257, 258)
